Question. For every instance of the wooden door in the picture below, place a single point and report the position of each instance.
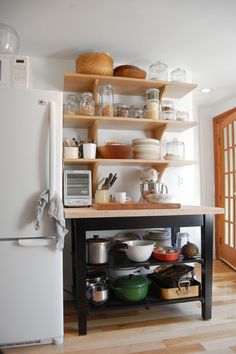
(225, 185)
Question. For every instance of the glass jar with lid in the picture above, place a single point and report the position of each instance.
(178, 75)
(120, 110)
(87, 106)
(182, 115)
(152, 94)
(167, 105)
(152, 103)
(106, 101)
(72, 106)
(132, 112)
(168, 114)
(175, 150)
(181, 239)
(158, 71)
(139, 113)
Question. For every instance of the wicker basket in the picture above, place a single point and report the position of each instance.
(95, 63)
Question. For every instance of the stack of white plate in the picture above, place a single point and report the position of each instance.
(160, 236)
(147, 149)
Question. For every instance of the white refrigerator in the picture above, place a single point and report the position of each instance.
(31, 278)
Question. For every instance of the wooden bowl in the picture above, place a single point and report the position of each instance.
(168, 257)
(129, 71)
(95, 63)
(115, 151)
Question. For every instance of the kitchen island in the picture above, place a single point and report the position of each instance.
(90, 219)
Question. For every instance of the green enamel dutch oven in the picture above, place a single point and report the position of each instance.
(131, 288)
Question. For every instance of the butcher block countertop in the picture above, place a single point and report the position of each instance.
(90, 212)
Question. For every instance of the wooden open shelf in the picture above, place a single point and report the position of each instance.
(172, 163)
(126, 86)
(78, 121)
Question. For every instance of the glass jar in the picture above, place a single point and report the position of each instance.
(175, 150)
(152, 94)
(132, 112)
(182, 115)
(168, 115)
(139, 113)
(106, 101)
(72, 107)
(158, 71)
(120, 110)
(181, 239)
(167, 105)
(87, 106)
(178, 75)
(152, 104)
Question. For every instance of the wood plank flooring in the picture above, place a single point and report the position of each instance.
(163, 329)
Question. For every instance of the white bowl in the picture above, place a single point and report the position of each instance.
(144, 156)
(139, 251)
(159, 198)
(146, 148)
(146, 141)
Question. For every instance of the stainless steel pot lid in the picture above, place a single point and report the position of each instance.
(96, 239)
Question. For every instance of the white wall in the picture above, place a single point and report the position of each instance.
(183, 182)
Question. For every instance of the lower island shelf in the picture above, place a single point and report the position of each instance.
(90, 219)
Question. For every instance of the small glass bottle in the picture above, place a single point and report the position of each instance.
(178, 75)
(72, 107)
(120, 110)
(175, 150)
(87, 106)
(158, 71)
(181, 239)
(106, 101)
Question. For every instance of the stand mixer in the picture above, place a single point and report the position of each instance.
(152, 191)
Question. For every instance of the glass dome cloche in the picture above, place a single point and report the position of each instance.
(9, 40)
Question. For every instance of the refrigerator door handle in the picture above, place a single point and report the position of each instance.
(52, 144)
(34, 242)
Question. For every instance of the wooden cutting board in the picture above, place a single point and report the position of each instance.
(135, 206)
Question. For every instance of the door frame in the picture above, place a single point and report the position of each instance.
(219, 182)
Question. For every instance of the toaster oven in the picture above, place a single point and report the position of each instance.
(77, 188)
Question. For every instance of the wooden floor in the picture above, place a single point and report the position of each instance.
(164, 329)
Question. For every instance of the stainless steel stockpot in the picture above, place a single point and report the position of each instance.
(97, 250)
(98, 294)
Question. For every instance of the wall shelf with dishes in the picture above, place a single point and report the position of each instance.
(154, 128)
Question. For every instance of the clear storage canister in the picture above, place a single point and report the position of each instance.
(152, 103)
(175, 150)
(106, 101)
(168, 115)
(120, 110)
(158, 71)
(132, 112)
(182, 115)
(178, 75)
(181, 239)
(167, 105)
(72, 106)
(87, 106)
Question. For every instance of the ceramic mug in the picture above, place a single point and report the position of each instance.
(120, 197)
(71, 152)
(102, 196)
(89, 151)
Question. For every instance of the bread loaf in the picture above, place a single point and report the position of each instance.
(129, 71)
